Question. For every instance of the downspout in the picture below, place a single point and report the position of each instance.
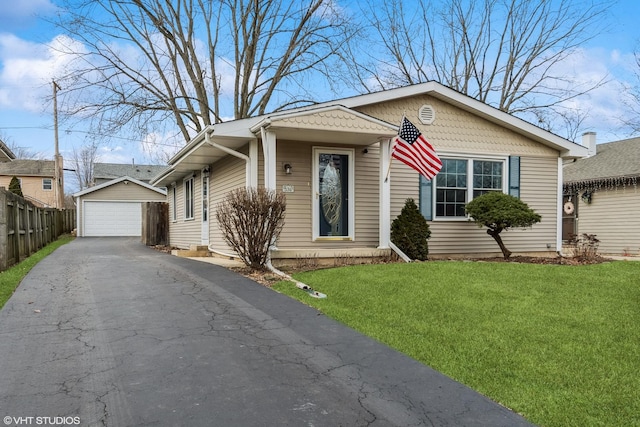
(559, 201)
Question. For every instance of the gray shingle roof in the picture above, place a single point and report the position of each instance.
(28, 167)
(110, 171)
(612, 159)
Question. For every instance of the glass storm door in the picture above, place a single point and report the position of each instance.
(333, 208)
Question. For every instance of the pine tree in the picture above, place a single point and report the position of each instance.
(14, 186)
(410, 232)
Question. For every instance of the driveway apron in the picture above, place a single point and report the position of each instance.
(108, 332)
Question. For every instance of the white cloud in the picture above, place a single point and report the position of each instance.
(28, 69)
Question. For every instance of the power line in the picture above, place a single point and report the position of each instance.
(69, 131)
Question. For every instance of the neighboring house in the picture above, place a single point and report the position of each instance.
(6, 155)
(104, 172)
(114, 208)
(342, 148)
(37, 180)
(598, 186)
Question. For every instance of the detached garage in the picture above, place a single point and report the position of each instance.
(114, 208)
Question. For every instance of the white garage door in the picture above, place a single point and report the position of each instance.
(112, 219)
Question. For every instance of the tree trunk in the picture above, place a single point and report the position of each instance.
(496, 235)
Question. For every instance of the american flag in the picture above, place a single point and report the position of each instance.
(412, 149)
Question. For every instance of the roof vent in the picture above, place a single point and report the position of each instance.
(426, 114)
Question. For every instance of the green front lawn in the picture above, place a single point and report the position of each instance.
(558, 344)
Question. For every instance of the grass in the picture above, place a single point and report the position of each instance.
(558, 344)
(11, 278)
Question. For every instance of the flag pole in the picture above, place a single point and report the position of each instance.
(386, 178)
(404, 115)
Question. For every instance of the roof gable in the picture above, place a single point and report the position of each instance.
(116, 181)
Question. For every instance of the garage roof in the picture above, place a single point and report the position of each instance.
(116, 181)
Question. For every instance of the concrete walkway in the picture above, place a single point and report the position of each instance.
(110, 333)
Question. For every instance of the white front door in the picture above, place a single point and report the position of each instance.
(205, 209)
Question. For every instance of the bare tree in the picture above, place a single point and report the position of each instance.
(632, 100)
(141, 63)
(83, 161)
(508, 53)
(19, 151)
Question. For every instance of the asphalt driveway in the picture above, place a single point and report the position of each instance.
(107, 332)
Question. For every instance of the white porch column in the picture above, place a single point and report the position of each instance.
(269, 151)
(252, 166)
(385, 195)
(559, 207)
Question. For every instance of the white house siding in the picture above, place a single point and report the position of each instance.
(117, 192)
(186, 232)
(457, 132)
(605, 217)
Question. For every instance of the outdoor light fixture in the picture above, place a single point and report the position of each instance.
(287, 168)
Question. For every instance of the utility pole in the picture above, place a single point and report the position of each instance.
(57, 159)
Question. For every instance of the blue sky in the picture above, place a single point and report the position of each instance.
(27, 66)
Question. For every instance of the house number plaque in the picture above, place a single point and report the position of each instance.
(287, 188)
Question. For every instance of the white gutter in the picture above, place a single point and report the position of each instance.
(227, 150)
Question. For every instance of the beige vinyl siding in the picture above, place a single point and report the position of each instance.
(226, 175)
(298, 230)
(32, 189)
(367, 190)
(538, 190)
(186, 232)
(458, 131)
(606, 217)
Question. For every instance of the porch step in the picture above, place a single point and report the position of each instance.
(190, 253)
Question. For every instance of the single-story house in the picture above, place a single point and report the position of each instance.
(597, 186)
(114, 208)
(104, 172)
(343, 148)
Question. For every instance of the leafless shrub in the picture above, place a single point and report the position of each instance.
(584, 247)
(306, 263)
(251, 220)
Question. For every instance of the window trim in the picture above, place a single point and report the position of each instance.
(504, 159)
(174, 202)
(50, 184)
(189, 204)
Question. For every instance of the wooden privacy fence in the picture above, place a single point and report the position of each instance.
(25, 228)
(155, 223)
